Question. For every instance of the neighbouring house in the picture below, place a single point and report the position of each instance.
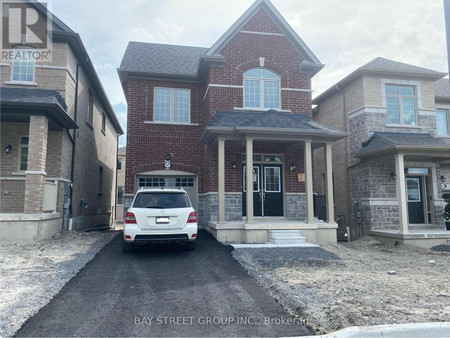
(232, 125)
(389, 175)
(121, 163)
(58, 138)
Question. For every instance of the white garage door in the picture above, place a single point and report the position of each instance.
(187, 183)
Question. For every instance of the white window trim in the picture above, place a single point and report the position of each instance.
(279, 178)
(25, 83)
(417, 99)
(261, 90)
(244, 177)
(19, 153)
(171, 112)
(419, 187)
(446, 109)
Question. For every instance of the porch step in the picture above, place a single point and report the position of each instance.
(286, 237)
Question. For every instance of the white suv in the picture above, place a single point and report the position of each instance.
(160, 215)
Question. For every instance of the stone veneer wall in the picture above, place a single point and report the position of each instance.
(295, 207)
(208, 207)
(374, 188)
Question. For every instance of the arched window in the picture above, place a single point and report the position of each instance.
(261, 89)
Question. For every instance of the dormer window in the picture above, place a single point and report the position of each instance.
(261, 89)
(23, 66)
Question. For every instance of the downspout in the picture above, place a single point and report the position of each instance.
(347, 155)
(74, 137)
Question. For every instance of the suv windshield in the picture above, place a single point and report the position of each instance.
(159, 200)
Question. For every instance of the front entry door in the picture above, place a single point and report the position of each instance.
(267, 190)
(414, 186)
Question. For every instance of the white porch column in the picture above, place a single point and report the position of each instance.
(401, 193)
(221, 183)
(308, 182)
(249, 179)
(329, 183)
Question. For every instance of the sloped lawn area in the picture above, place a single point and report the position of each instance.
(360, 283)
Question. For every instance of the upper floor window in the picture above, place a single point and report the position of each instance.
(401, 105)
(172, 105)
(119, 164)
(23, 66)
(443, 122)
(90, 108)
(261, 89)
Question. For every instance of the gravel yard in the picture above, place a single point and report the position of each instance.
(33, 273)
(371, 284)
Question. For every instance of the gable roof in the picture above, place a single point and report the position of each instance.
(62, 32)
(386, 67)
(270, 122)
(381, 142)
(442, 89)
(308, 56)
(174, 61)
(154, 58)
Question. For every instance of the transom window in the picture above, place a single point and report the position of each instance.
(400, 102)
(23, 66)
(443, 122)
(261, 89)
(172, 105)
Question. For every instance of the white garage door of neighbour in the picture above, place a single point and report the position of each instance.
(187, 183)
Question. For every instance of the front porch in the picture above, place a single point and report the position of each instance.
(424, 238)
(32, 168)
(405, 205)
(258, 232)
(276, 186)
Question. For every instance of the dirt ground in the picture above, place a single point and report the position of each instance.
(372, 284)
(33, 273)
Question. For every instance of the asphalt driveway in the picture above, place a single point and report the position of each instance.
(163, 292)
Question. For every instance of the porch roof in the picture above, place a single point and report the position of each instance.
(381, 143)
(20, 103)
(269, 125)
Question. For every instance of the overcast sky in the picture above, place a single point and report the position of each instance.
(343, 34)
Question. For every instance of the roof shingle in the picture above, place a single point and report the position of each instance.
(156, 58)
(382, 141)
(442, 88)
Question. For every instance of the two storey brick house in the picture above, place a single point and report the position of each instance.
(390, 174)
(58, 137)
(232, 125)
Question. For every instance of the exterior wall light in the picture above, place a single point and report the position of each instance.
(233, 165)
(8, 148)
(443, 179)
(393, 176)
(168, 156)
(293, 166)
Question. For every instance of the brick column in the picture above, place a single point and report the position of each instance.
(37, 156)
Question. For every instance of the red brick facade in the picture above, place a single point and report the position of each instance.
(148, 143)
